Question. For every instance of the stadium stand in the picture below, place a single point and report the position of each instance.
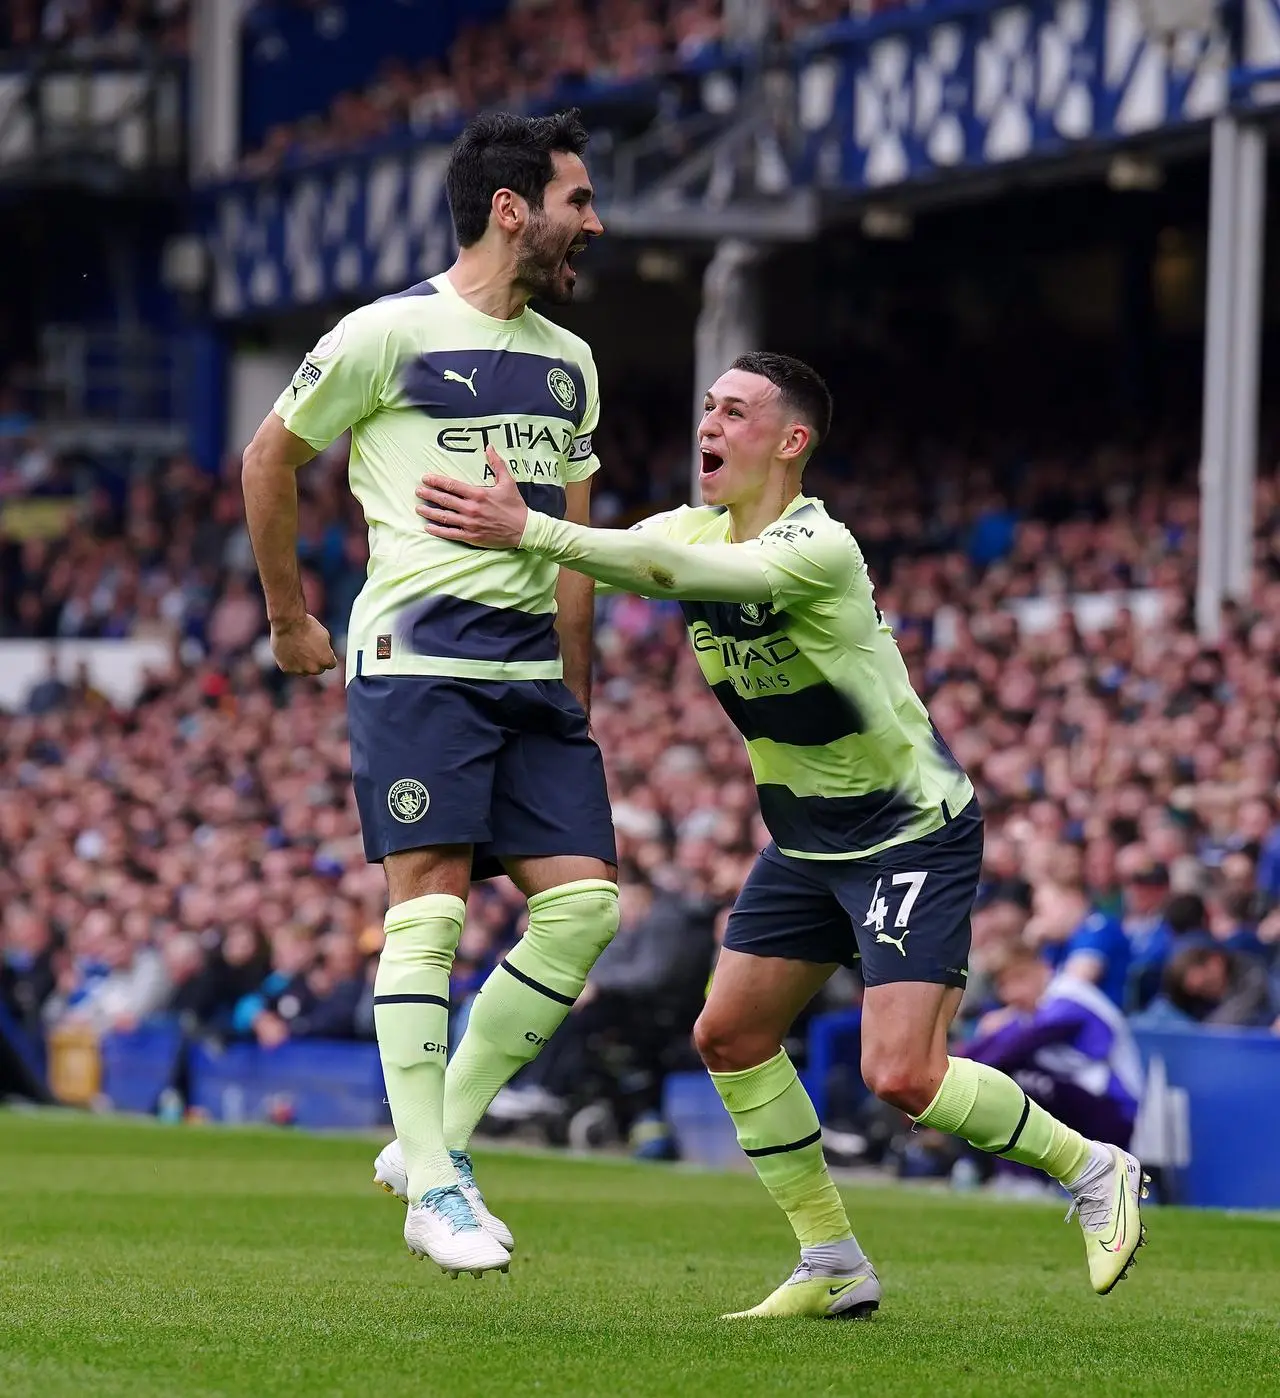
(539, 53)
(95, 28)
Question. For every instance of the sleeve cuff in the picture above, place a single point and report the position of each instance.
(534, 538)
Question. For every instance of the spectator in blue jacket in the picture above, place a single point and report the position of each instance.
(1144, 888)
(280, 995)
(319, 1002)
(1078, 941)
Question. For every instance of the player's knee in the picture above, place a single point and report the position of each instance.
(597, 916)
(726, 1046)
(903, 1080)
(577, 920)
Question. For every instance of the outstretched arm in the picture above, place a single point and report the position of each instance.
(643, 563)
(649, 564)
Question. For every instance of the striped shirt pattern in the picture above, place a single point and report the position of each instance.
(845, 757)
(425, 382)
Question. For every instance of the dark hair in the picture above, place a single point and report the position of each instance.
(1016, 892)
(499, 150)
(1185, 912)
(802, 388)
(1175, 972)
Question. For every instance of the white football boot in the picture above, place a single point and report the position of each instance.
(442, 1226)
(1108, 1200)
(390, 1173)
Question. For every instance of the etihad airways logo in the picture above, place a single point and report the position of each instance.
(506, 436)
(769, 651)
(752, 667)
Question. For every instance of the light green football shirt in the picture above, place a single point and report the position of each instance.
(425, 382)
(846, 759)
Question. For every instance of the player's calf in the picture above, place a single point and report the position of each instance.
(526, 997)
(989, 1110)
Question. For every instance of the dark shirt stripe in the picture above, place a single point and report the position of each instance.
(943, 750)
(806, 718)
(546, 499)
(420, 289)
(455, 628)
(744, 621)
(833, 824)
(495, 386)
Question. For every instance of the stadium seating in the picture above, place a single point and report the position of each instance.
(112, 29)
(318, 84)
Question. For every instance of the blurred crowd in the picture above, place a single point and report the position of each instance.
(95, 29)
(199, 852)
(538, 52)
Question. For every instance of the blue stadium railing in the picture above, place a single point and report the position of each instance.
(1212, 1111)
(317, 1083)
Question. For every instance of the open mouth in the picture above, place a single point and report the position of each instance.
(711, 463)
(572, 255)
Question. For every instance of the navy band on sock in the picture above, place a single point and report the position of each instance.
(537, 985)
(410, 1000)
(781, 1150)
(1022, 1121)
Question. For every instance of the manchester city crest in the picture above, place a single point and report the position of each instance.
(755, 613)
(563, 389)
(408, 800)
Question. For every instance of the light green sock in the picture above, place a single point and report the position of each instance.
(990, 1110)
(411, 1016)
(778, 1129)
(526, 997)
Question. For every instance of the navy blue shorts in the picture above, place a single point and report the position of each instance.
(904, 912)
(507, 767)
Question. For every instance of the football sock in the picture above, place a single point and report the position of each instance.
(411, 1017)
(778, 1130)
(834, 1259)
(990, 1111)
(526, 996)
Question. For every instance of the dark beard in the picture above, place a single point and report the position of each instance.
(538, 263)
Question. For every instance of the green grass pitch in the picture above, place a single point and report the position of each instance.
(143, 1261)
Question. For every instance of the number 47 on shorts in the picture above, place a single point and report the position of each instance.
(878, 912)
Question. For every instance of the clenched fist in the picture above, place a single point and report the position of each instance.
(302, 647)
